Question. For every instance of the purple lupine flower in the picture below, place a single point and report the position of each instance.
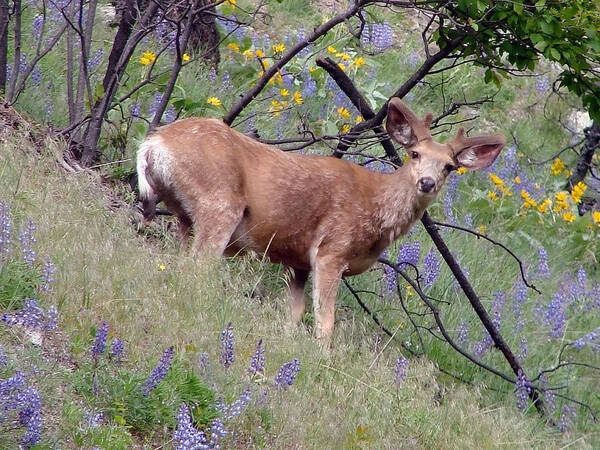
(170, 114)
(95, 61)
(3, 358)
(549, 396)
(187, 437)
(451, 192)
(93, 419)
(482, 346)
(257, 362)
(116, 349)
(413, 59)
(36, 27)
(100, 340)
(30, 415)
(27, 239)
(400, 370)
(365, 36)
(159, 372)
(36, 76)
(431, 268)
(237, 407)
(204, 362)
(154, 105)
(543, 270)
(48, 272)
(382, 36)
(32, 316)
(212, 75)
(592, 339)
(523, 349)
(566, 418)
(462, 336)
(287, 374)
(519, 298)
(5, 229)
(468, 220)
(522, 391)
(542, 83)
(135, 110)
(226, 339)
(409, 255)
(581, 279)
(555, 315)
(226, 81)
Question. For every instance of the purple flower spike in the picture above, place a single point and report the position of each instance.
(287, 374)
(226, 338)
(159, 372)
(400, 370)
(257, 363)
(100, 340)
(523, 389)
(187, 437)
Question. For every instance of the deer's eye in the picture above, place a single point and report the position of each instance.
(449, 168)
(414, 155)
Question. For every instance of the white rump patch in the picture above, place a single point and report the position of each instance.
(154, 148)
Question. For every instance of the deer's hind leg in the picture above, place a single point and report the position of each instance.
(215, 220)
(296, 294)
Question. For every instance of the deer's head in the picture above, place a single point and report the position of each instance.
(430, 161)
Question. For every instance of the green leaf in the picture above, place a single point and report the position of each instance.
(555, 54)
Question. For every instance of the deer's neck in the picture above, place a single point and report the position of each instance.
(399, 204)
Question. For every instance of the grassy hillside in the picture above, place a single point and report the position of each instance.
(154, 296)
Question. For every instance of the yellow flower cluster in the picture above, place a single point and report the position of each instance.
(492, 196)
(213, 101)
(568, 216)
(233, 46)
(528, 201)
(359, 62)
(279, 48)
(557, 167)
(260, 53)
(147, 58)
(499, 182)
(578, 191)
(561, 201)
(343, 112)
(298, 98)
(277, 106)
(596, 217)
(284, 92)
(461, 170)
(185, 57)
(346, 128)
(517, 179)
(544, 206)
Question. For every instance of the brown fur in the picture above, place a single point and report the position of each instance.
(307, 212)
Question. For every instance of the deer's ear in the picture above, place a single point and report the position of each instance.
(481, 155)
(398, 124)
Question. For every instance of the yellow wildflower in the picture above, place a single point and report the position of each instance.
(275, 107)
(298, 98)
(279, 48)
(341, 66)
(233, 46)
(492, 195)
(213, 101)
(528, 201)
(578, 191)
(557, 166)
(561, 196)
(359, 119)
(346, 128)
(505, 191)
(461, 170)
(568, 216)
(284, 92)
(543, 207)
(161, 267)
(567, 173)
(596, 217)
(185, 57)
(311, 69)
(248, 54)
(231, 3)
(496, 179)
(481, 229)
(331, 50)
(359, 62)
(147, 58)
(343, 56)
(517, 179)
(259, 53)
(343, 112)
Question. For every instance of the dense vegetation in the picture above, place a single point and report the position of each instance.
(112, 336)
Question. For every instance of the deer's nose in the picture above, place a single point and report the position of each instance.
(426, 184)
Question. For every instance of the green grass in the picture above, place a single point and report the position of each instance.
(107, 271)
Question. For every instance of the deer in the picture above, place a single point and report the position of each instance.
(310, 213)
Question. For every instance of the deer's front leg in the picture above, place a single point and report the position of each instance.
(326, 279)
